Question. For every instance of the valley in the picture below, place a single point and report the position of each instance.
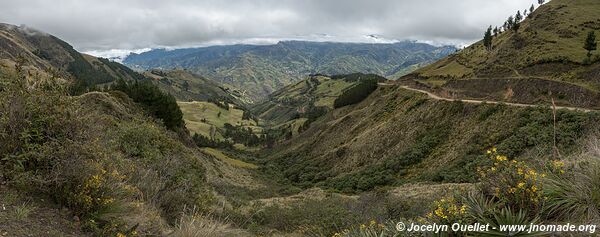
(303, 138)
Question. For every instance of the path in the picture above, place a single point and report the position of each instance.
(436, 97)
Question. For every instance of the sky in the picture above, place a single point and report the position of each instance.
(115, 27)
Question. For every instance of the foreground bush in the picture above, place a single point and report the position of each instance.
(117, 170)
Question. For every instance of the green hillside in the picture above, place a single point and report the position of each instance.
(208, 119)
(295, 106)
(186, 86)
(543, 59)
(398, 136)
(258, 70)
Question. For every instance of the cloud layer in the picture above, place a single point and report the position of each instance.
(105, 25)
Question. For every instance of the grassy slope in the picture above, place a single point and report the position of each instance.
(202, 117)
(548, 46)
(283, 105)
(396, 136)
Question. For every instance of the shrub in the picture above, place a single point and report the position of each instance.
(371, 229)
(196, 224)
(513, 183)
(113, 167)
(309, 217)
(202, 141)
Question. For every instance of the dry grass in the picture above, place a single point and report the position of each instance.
(234, 162)
(202, 225)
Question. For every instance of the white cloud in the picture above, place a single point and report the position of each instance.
(112, 27)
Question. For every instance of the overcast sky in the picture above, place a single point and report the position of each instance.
(122, 25)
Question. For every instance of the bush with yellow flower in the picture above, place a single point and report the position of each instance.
(512, 182)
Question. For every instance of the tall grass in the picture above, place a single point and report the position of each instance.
(575, 197)
(196, 224)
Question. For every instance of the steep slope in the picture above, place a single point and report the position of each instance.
(544, 59)
(44, 55)
(260, 70)
(397, 136)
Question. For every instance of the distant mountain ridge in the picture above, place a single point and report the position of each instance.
(261, 69)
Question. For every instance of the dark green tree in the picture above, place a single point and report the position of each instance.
(496, 31)
(590, 43)
(487, 38)
(541, 2)
(517, 21)
(510, 22)
(531, 9)
(161, 105)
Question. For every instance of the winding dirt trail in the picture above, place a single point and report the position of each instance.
(437, 97)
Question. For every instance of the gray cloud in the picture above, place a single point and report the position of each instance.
(118, 25)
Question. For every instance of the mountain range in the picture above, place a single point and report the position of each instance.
(258, 70)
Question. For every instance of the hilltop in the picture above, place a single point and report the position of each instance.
(44, 55)
(258, 70)
(543, 59)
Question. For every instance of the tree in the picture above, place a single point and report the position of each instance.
(517, 21)
(510, 22)
(541, 2)
(496, 31)
(487, 38)
(531, 9)
(590, 43)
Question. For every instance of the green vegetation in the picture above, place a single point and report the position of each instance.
(99, 156)
(208, 119)
(590, 43)
(487, 38)
(356, 94)
(417, 139)
(162, 106)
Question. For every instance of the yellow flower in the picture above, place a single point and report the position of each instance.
(463, 209)
(493, 149)
(121, 235)
(440, 212)
(521, 185)
(363, 226)
(520, 171)
(373, 222)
